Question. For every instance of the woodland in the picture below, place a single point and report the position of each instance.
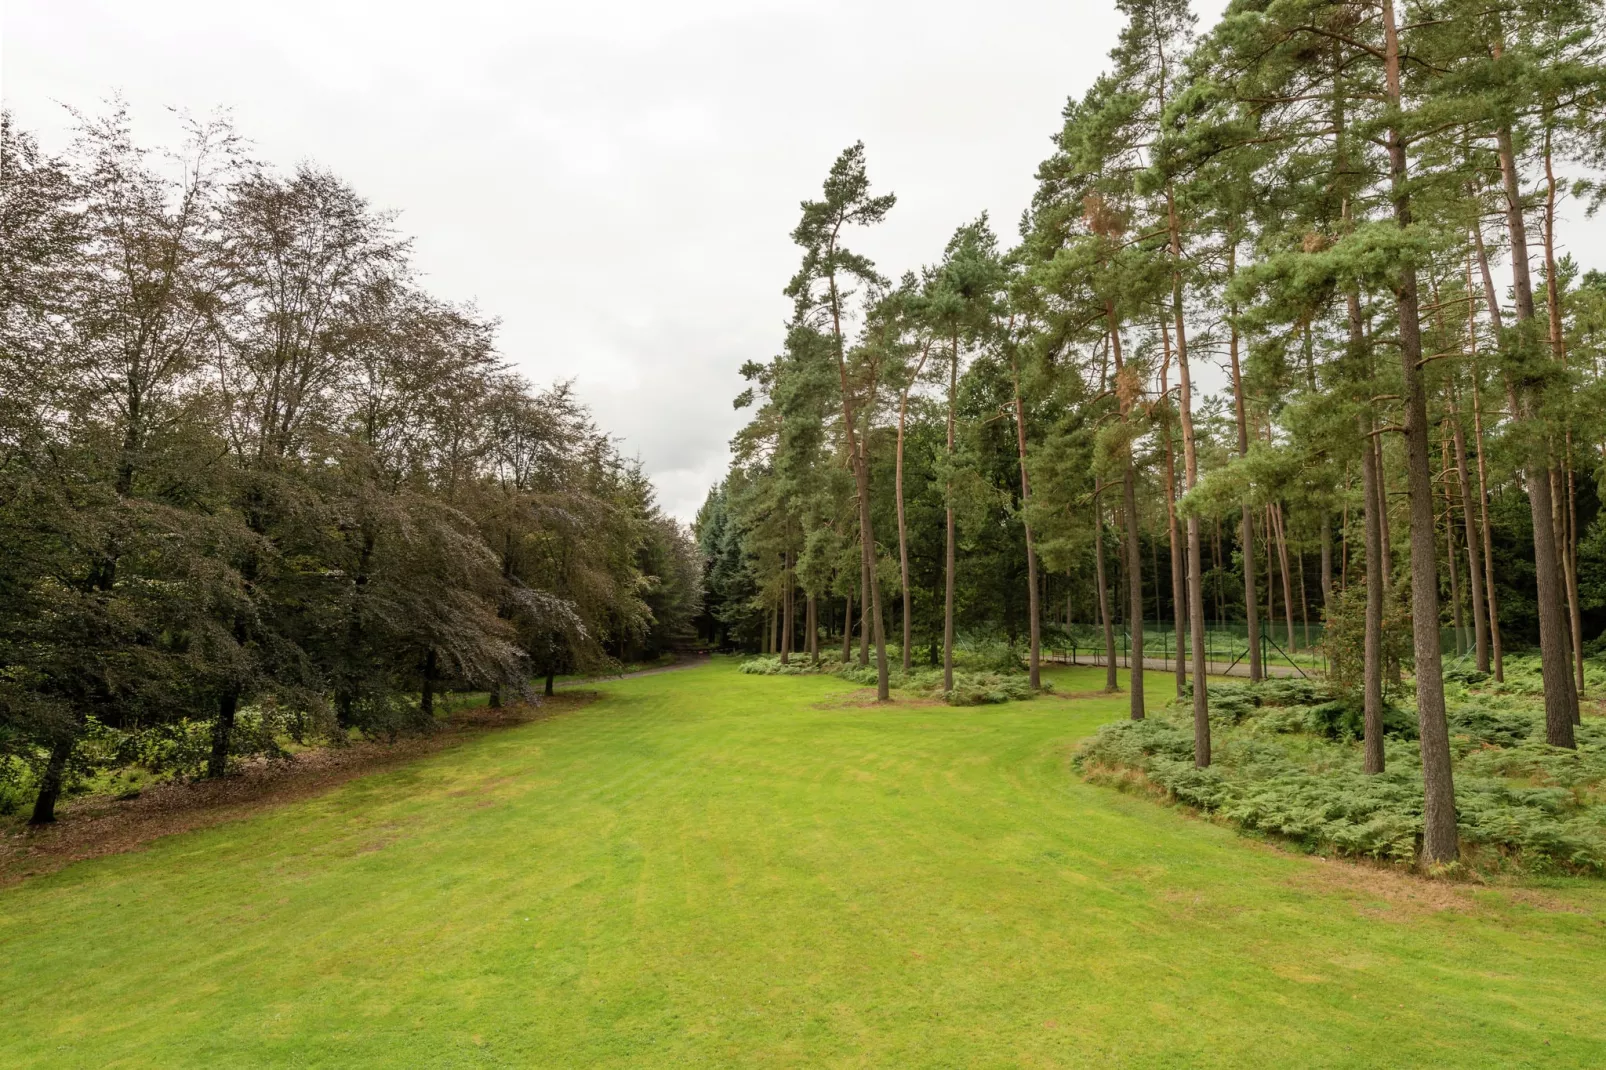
(1171, 632)
(1353, 211)
(260, 490)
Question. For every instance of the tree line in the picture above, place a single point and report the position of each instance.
(1353, 210)
(257, 483)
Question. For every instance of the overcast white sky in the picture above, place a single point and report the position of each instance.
(616, 180)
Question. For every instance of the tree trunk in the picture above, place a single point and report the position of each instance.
(1440, 842)
(1555, 670)
(1282, 563)
(1327, 563)
(787, 603)
(1134, 572)
(1383, 514)
(1033, 670)
(865, 553)
(948, 552)
(1240, 409)
(903, 528)
(1449, 543)
(1570, 552)
(1133, 552)
(861, 477)
(50, 783)
(1372, 667)
(847, 631)
(426, 699)
(1110, 682)
(814, 631)
(551, 674)
(1496, 648)
(1558, 346)
(1190, 473)
(1475, 571)
(217, 763)
(1304, 597)
(1178, 600)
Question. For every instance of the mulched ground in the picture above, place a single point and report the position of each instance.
(100, 825)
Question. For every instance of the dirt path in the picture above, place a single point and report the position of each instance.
(100, 825)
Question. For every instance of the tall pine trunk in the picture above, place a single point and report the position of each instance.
(1475, 557)
(903, 524)
(948, 550)
(861, 478)
(1449, 542)
(1110, 681)
(1372, 663)
(1133, 552)
(1240, 410)
(1440, 841)
(1495, 644)
(1554, 667)
(847, 631)
(1036, 631)
(1178, 600)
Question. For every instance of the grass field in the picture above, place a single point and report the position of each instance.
(707, 868)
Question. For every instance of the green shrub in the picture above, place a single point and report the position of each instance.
(771, 666)
(1494, 727)
(980, 689)
(1345, 719)
(1292, 770)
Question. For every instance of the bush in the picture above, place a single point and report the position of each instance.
(981, 689)
(1493, 727)
(1288, 767)
(771, 666)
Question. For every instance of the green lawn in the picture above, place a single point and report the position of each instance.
(707, 868)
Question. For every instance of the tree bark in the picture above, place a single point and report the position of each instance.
(814, 630)
(217, 762)
(1555, 670)
(1440, 841)
(1281, 542)
(1190, 474)
(1035, 633)
(1240, 409)
(1178, 600)
(1496, 648)
(864, 600)
(1134, 552)
(1475, 557)
(903, 528)
(1558, 346)
(861, 478)
(1110, 682)
(948, 552)
(847, 631)
(1372, 664)
(50, 783)
(426, 698)
(1449, 543)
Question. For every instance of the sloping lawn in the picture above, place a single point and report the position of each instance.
(709, 868)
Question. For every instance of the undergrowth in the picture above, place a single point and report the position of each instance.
(1287, 763)
(985, 678)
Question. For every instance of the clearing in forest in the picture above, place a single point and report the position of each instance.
(704, 867)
